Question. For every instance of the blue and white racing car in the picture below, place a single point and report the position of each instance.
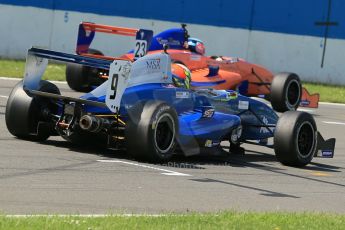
(140, 109)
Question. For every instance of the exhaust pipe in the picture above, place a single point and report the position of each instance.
(93, 124)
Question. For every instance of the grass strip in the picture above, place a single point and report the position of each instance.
(56, 72)
(222, 220)
(328, 93)
(15, 69)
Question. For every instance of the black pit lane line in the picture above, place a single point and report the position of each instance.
(278, 171)
(234, 161)
(331, 168)
(219, 159)
(265, 192)
(269, 169)
(45, 170)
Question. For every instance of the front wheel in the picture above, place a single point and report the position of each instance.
(151, 131)
(295, 138)
(286, 92)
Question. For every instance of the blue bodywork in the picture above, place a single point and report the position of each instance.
(193, 125)
(174, 37)
(205, 116)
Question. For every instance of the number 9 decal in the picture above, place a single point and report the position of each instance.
(113, 86)
(117, 83)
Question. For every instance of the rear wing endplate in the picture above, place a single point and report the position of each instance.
(151, 69)
(37, 61)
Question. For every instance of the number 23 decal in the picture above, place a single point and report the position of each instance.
(140, 48)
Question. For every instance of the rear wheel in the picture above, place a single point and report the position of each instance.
(295, 138)
(82, 78)
(151, 131)
(286, 92)
(24, 117)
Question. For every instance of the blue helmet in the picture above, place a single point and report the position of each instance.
(196, 45)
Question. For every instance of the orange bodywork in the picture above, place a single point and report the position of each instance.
(109, 29)
(228, 73)
(309, 100)
(224, 79)
(232, 71)
(104, 57)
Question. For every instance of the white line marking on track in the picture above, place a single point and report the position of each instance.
(165, 171)
(306, 110)
(2, 96)
(87, 215)
(334, 122)
(330, 103)
(11, 78)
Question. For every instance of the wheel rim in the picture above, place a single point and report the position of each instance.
(164, 133)
(306, 139)
(293, 94)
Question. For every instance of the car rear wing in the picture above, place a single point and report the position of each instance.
(87, 31)
(155, 68)
(37, 61)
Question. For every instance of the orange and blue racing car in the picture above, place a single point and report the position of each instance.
(283, 90)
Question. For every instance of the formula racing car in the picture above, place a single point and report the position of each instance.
(284, 90)
(140, 110)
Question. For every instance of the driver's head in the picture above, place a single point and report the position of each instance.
(196, 45)
(181, 75)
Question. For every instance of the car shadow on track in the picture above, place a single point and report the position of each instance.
(250, 158)
(221, 158)
(87, 149)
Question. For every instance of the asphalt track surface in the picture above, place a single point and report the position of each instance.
(57, 178)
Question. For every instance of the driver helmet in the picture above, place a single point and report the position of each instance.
(181, 75)
(196, 45)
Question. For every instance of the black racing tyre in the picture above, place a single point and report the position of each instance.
(286, 92)
(295, 138)
(23, 113)
(95, 51)
(151, 131)
(79, 77)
